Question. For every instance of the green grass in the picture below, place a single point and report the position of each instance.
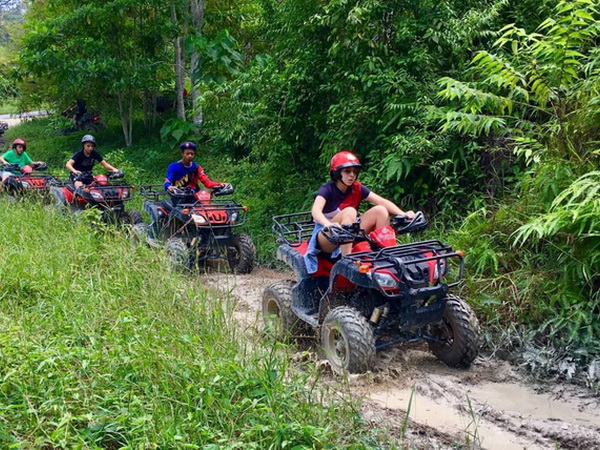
(101, 347)
(9, 107)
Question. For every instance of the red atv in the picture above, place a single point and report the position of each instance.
(197, 228)
(28, 179)
(99, 191)
(379, 295)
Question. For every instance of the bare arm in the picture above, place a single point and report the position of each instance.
(2, 160)
(70, 167)
(391, 207)
(317, 211)
(107, 166)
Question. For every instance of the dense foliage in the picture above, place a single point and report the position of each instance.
(484, 114)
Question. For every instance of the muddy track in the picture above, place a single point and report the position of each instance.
(490, 406)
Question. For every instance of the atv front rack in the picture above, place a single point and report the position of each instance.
(218, 212)
(293, 229)
(38, 182)
(413, 263)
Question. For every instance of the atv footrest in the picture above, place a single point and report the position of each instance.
(306, 315)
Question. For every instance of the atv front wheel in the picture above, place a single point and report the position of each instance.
(178, 253)
(347, 340)
(241, 254)
(132, 217)
(60, 202)
(458, 332)
(280, 320)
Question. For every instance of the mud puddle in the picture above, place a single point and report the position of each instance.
(490, 406)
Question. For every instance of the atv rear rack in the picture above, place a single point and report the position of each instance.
(293, 229)
(153, 191)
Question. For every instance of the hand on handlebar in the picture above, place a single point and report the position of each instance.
(327, 228)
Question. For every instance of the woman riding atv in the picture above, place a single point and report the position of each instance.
(336, 203)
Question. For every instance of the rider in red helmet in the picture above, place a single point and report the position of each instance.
(336, 203)
(17, 155)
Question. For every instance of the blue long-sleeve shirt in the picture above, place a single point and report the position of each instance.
(179, 175)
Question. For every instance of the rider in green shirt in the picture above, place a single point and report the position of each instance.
(17, 155)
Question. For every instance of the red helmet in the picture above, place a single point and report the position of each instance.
(101, 179)
(340, 161)
(19, 142)
(344, 159)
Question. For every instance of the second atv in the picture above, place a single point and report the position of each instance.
(197, 228)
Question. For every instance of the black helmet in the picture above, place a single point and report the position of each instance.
(188, 146)
(88, 138)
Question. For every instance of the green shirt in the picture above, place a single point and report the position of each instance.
(11, 157)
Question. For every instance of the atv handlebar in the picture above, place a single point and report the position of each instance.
(224, 189)
(344, 234)
(10, 167)
(402, 224)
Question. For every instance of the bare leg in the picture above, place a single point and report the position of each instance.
(374, 218)
(346, 217)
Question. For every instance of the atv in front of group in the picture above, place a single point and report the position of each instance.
(198, 227)
(380, 294)
(101, 192)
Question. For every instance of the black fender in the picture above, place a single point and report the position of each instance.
(293, 259)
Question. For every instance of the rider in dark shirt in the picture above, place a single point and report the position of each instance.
(85, 159)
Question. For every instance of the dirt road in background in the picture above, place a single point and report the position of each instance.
(490, 406)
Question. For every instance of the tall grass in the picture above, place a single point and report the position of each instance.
(102, 347)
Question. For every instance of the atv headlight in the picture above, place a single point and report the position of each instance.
(234, 216)
(385, 280)
(125, 194)
(25, 184)
(96, 195)
(199, 219)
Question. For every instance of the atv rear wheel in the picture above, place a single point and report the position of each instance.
(280, 320)
(132, 217)
(178, 253)
(241, 254)
(459, 330)
(347, 340)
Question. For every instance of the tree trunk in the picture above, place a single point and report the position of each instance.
(179, 67)
(197, 8)
(126, 114)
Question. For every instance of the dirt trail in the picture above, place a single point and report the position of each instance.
(490, 406)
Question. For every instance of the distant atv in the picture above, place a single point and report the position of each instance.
(379, 295)
(100, 192)
(197, 228)
(3, 140)
(27, 179)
